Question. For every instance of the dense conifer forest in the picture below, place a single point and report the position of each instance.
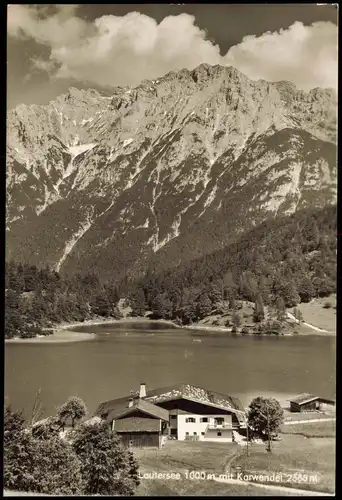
(280, 263)
(287, 260)
(36, 299)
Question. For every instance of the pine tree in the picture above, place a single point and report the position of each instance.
(100, 304)
(259, 313)
(280, 309)
(232, 303)
(162, 306)
(289, 294)
(203, 306)
(306, 289)
(214, 293)
(137, 302)
(236, 322)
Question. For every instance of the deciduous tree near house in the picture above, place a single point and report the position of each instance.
(74, 409)
(265, 416)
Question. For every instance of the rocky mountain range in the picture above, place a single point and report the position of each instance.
(171, 170)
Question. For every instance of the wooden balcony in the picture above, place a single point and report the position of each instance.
(224, 425)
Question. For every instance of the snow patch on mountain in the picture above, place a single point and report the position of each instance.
(41, 208)
(145, 225)
(173, 234)
(126, 142)
(72, 242)
(80, 148)
(211, 197)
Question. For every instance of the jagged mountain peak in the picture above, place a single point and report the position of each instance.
(175, 166)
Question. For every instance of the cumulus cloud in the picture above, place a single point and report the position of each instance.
(304, 55)
(114, 50)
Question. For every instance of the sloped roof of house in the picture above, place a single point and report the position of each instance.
(195, 393)
(135, 424)
(118, 408)
(306, 397)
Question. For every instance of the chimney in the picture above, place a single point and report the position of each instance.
(142, 391)
(130, 402)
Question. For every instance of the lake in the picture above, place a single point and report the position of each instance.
(123, 355)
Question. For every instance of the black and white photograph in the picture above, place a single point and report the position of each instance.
(170, 250)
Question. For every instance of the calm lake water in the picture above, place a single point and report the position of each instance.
(123, 355)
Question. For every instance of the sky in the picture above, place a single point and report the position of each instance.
(51, 47)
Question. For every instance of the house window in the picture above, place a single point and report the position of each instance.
(219, 433)
(204, 419)
(173, 417)
(219, 421)
(190, 420)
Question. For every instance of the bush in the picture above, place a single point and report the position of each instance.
(47, 466)
(94, 463)
(107, 468)
(57, 468)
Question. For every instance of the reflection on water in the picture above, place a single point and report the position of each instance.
(139, 326)
(123, 355)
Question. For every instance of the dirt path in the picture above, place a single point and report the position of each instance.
(275, 488)
(310, 421)
(227, 463)
(291, 316)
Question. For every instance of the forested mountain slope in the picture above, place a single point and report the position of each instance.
(289, 258)
(175, 168)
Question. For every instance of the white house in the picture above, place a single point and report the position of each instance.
(194, 413)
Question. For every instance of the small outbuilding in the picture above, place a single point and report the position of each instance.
(137, 422)
(309, 402)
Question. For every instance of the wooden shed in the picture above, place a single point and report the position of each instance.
(141, 432)
(308, 402)
(139, 423)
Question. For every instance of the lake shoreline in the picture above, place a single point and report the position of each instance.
(65, 332)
